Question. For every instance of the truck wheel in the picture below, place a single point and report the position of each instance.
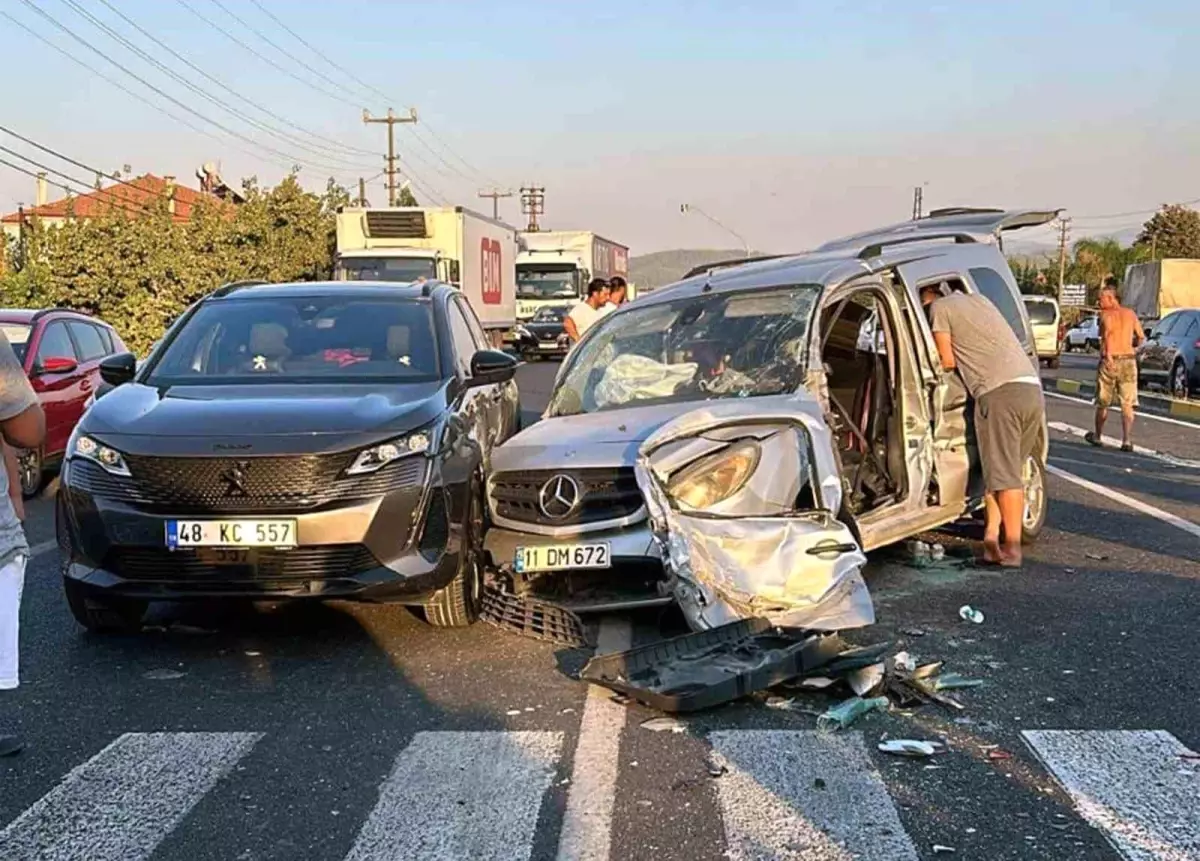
(457, 604)
(1034, 516)
(104, 615)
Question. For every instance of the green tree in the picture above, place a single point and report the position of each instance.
(405, 197)
(1173, 231)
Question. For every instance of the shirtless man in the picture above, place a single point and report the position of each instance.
(1116, 377)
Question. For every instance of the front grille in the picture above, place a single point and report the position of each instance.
(328, 561)
(198, 484)
(604, 494)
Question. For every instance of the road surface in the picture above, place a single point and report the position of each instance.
(355, 732)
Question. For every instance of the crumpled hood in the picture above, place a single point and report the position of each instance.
(253, 412)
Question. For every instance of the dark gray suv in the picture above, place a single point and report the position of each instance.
(290, 441)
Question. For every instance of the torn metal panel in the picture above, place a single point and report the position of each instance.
(742, 508)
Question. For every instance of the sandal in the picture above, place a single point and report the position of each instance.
(1091, 439)
(1127, 446)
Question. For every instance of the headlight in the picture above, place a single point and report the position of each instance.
(714, 479)
(378, 456)
(109, 459)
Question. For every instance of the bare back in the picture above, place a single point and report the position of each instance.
(1120, 332)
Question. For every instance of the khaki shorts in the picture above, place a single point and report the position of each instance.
(1008, 426)
(1119, 385)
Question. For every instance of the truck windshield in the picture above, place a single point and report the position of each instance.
(703, 347)
(403, 269)
(546, 284)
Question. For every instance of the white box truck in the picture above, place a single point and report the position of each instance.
(556, 265)
(475, 253)
(1154, 290)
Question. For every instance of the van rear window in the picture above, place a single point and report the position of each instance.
(1040, 313)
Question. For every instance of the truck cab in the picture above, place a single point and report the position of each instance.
(554, 267)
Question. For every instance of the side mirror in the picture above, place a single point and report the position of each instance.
(119, 369)
(57, 365)
(492, 366)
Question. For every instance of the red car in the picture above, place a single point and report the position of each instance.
(61, 351)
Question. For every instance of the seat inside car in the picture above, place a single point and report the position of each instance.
(267, 348)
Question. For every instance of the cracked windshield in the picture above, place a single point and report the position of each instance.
(695, 349)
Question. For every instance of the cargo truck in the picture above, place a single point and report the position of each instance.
(475, 253)
(556, 265)
(1154, 290)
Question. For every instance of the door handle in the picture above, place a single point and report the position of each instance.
(85, 384)
(823, 548)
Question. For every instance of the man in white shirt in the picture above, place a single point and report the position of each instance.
(584, 315)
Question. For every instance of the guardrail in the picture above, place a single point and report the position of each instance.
(1188, 411)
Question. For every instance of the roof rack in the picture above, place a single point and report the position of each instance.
(961, 223)
(725, 264)
(960, 210)
(875, 248)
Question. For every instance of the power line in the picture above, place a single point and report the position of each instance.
(67, 176)
(233, 132)
(333, 144)
(141, 98)
(1133, 213)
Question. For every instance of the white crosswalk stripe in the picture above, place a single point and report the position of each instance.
(785, 795)
(478, 795)
(1140, 788)
(805, 796)
(124, 801)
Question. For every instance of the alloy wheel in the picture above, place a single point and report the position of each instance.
(1179, 381)
(1035, 495)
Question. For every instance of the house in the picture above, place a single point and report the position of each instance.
(129, 197)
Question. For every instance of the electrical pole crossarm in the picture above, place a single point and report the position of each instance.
(390, 120)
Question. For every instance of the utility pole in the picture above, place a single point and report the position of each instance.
(391, 119)
(1064, 227)
(362, 192)
(918, 202)
(495, 194)
(533, 204)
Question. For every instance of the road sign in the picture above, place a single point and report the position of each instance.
(1073, 294)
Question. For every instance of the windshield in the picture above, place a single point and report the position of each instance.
(695, 349)
(546, 284)
(403, 269)
(301, 339)
(18, 336)
(552, 314)
(1040, 313)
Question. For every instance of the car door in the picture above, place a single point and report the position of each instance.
(54, 376)
(91, 346)
(473, 432)
(1159, 345)
(502, 401)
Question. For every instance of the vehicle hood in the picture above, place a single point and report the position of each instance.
(545, 330)
(263, 416)
(613, 437)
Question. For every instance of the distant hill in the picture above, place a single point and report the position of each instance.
(660, 268)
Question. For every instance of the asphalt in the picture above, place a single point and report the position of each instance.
(333, 713)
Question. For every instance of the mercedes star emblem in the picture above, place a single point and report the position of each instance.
(559, 497)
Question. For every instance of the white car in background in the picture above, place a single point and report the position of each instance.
(1085, 335)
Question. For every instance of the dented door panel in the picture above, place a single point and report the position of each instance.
(741, 501)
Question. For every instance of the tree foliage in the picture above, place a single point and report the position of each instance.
(1174, 231)
(138, 271)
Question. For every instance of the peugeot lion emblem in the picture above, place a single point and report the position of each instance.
(235, 478)
(559, 497)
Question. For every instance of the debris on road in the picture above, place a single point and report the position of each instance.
(910, 747)
(997, 755)
(706, 669)
(536, 619)
(938, 849)
(866, 680)
(912, 632)
(954, 681)
(969, 614)
(846, 713)
(163, 675)
(664, 724)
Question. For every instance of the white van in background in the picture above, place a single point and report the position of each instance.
(1045, 317)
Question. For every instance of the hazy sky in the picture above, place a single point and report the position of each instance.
(788, 122)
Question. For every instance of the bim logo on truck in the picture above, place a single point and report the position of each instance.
(492, 281)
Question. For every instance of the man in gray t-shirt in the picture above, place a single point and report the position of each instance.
(22, 425)
(973, 338)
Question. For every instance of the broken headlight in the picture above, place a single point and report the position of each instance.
(713, 479)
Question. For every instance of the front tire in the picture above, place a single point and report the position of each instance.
(1033, 518)
(458, 603)
(104, 615)
(31, 472)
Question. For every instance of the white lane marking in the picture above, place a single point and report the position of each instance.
(1133, 785)
(454, 795)
(123, 802)
(1080, 433)
(805, 796)
(1128, 501)
(44, 547)
(1140, 414)
(587, 824)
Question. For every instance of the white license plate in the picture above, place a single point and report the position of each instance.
(231, 533)
(562, 557)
